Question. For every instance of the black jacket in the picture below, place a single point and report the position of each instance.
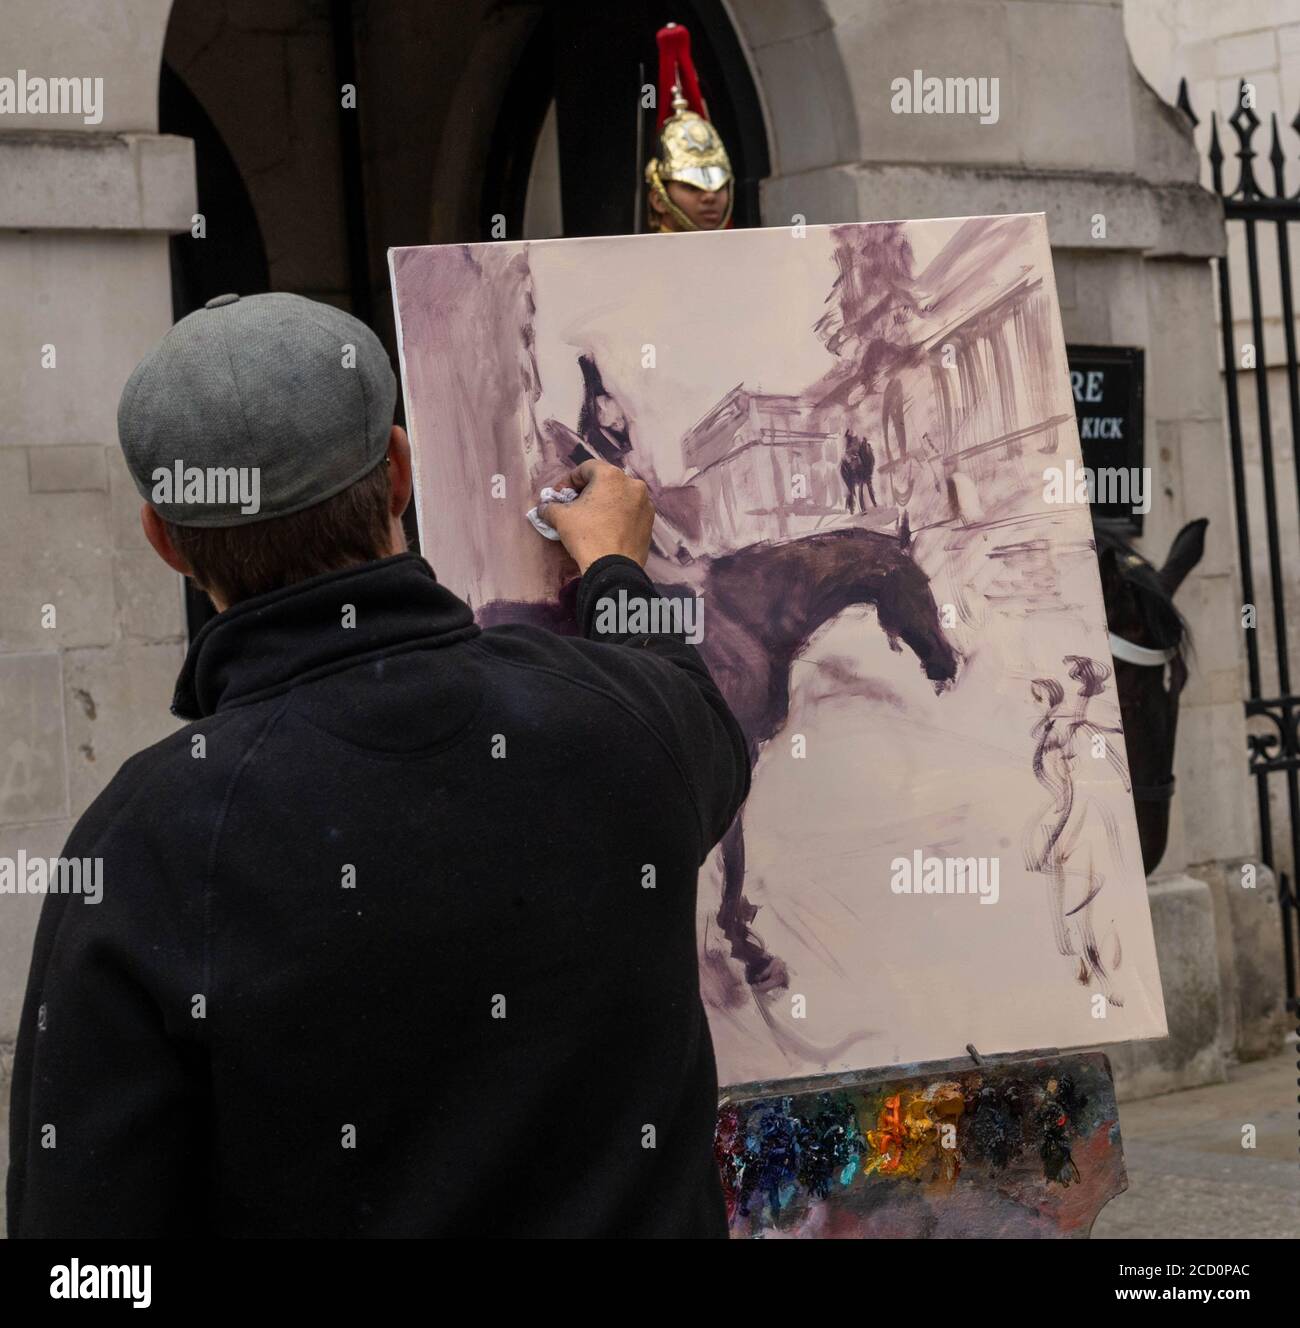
(396, 939)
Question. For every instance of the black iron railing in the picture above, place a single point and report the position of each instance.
(1273, 742)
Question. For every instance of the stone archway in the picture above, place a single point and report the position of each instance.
(794, 50)
(569, 69)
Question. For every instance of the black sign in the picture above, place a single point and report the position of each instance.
(1106, 384)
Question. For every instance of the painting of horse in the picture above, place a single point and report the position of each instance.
(753, 640)
(852, 436)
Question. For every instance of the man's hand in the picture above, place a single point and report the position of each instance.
(611, 514)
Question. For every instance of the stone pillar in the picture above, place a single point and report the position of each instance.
(91, 623)
(1081, 137)
(1215, 48)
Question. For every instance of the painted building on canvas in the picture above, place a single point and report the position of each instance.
(754, 443)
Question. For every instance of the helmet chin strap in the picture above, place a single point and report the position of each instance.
(1143, 655)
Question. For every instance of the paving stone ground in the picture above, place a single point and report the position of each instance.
(1189, 1175)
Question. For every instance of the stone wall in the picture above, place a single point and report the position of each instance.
(91, 626)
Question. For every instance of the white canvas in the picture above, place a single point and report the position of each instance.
(960, 706)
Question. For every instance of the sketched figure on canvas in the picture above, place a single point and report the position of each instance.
(603, 432)
(602, 422)
(1055, 833)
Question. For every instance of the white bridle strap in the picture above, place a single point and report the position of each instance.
(1131, 654)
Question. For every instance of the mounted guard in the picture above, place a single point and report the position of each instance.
(689, 181)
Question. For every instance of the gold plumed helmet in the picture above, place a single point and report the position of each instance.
(690, 149)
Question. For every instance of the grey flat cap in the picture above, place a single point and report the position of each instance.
(254, 408)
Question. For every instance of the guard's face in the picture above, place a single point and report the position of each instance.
(705, 207)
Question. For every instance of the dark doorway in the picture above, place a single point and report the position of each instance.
(589, 62)
(229, 257)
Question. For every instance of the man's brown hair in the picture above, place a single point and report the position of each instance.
(238, 562)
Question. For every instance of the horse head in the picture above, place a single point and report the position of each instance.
(871, 567)
(1150, 642)
(786, 591)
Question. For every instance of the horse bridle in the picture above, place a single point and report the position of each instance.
(1142, 655)
(1146, 657)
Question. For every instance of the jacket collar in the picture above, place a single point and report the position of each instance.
(266, 644)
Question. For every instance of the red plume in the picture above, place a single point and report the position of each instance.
(676, 66)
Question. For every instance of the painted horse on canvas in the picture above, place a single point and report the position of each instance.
(765, 602)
